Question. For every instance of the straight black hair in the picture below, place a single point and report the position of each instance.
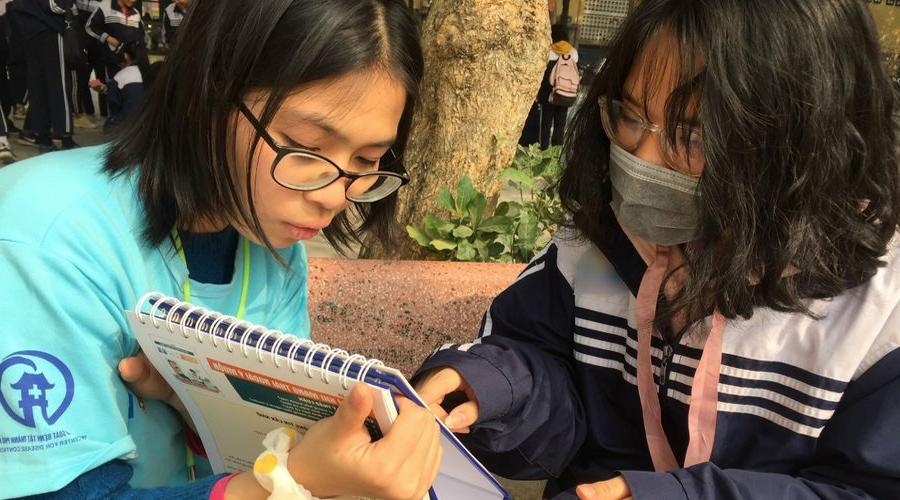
(800, 147)
(226, 49)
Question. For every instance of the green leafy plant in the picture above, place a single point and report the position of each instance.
(515, 231)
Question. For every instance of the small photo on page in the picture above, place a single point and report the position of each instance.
(185, 366)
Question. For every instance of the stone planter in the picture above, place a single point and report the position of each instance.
(400, 311)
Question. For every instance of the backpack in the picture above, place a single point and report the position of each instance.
(565, 80)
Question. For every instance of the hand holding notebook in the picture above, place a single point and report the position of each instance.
(239, 381)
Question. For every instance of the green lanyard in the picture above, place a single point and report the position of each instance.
(245, 279)
(242, 306)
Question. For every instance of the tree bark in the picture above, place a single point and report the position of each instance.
(484, 60)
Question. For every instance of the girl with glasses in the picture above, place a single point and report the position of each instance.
(271, 122)
(721, 317)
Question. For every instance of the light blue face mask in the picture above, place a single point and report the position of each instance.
(654, 203)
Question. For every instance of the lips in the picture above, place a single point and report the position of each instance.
(304, 232)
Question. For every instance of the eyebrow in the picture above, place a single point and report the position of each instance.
(691, 121)
(322, 123)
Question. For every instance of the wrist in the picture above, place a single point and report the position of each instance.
(271, 468)
(242, 486)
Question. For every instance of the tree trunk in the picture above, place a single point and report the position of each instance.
(484, 60)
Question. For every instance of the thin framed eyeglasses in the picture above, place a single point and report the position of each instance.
(627, 129)
(300, 169)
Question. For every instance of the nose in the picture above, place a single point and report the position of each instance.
(332, 197)
(650, 149)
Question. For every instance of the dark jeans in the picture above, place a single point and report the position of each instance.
(553, 124)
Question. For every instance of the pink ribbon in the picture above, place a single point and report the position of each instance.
(704, 390)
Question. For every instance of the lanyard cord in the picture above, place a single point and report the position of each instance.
(245, 278)
(242, 305)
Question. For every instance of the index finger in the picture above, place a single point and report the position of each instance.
(438, 384)
(409, 428)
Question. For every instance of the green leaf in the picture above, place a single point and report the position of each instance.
(463, 231)
(506, 241)
(466, 251)
(495, 249)
(445, 199)
(542, 240)
(476, 209)
(465, 193)
(518, 177)
(418, 235)
(496, 224)
(443, 245)
(502, 207)
(528, 229)
(437, 228)
(482, 247)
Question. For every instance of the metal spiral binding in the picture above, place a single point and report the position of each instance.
(174, 319)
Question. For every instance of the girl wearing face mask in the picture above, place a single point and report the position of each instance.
(721, 319)
(278, 119)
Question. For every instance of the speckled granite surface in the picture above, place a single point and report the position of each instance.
(400, 311)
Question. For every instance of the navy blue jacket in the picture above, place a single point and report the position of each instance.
(39, 16)
(109, 20)
(807, 408)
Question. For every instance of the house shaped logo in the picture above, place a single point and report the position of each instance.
(35, 386)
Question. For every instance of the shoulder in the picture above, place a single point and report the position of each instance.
(846, 336)
(876, 307)
(65, 193)
(577, 258)
(128, 75)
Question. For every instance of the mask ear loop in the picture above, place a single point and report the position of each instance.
(245, 338)
(140, 305)
(344, 374)
(261, 343)
(213, 330)
(170, 318)
(311, 356)
(157, 306)
(292, 352)
(326, 363)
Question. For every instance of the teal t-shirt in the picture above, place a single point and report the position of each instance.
(72, 260)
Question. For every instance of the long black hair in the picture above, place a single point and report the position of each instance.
(800, 148)
(224, 50)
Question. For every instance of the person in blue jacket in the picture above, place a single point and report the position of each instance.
(237, 157)
(125, 91)
(115, 24)
(721, 317)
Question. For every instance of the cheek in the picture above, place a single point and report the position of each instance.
(265, 190)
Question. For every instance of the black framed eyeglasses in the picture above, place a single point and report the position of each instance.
(300, 169)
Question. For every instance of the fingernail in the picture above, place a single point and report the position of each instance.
(585, 490)
(451, 421)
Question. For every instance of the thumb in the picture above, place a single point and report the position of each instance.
(461, 417)
(130, 369)
(352, 412)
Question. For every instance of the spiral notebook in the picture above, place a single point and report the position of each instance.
(239, 381)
